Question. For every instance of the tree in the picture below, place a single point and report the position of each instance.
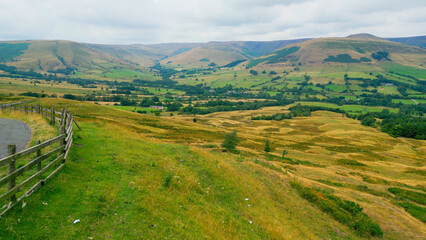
(254, 72)
(267, 146)
(284, 153)
(155, 99)
(194, 120)
(231, 141)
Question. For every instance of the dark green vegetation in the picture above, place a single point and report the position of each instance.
(231, 141)
(278, 56)
(409, 122)
(413, 196)
(344, 211)
(381, 56)
(410, 201)
(415, 210)
(342, 58)
(8, 51)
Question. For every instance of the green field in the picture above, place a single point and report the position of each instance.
(405, 70)
(349, 108)
(122, 73)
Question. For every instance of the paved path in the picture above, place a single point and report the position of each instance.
(13, 132)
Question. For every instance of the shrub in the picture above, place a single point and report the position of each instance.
(231, 141)
(350, 162)
(168, 180)
(344, 211)
(416, 211)
(267, 146)
(413, 196)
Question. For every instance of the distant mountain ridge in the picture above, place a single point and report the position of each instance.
(360, 48)
(419, 41)
(61, 56)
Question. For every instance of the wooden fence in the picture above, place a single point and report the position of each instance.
(34, 162)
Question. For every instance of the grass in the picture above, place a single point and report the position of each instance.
(350, 108)
(405, 70)
(415, 210)
(350, 162)
(122, 73)
(346, 212)
(336, 88)
(135, 109)
(405, 194)
(133, 186)
(165, 177)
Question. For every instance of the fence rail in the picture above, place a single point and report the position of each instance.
(32, 168)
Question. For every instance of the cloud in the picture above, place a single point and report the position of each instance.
(155, 21)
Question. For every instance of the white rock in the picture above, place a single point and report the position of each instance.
(76, 221)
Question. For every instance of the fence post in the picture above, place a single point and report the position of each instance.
(62, 117)
(52, 115)
(39, 163)
(12, 181)
(63, 130)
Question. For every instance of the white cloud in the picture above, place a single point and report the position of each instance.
(154, 21)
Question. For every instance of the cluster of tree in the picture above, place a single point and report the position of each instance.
(165, 73)
(33, 94)
(381, 55)
(234, 63)
(146, 102)
(65, 71)
(222, 106)
(296, 111)
(396, 124)
(300, 110)
(276, 117)
(342, 58)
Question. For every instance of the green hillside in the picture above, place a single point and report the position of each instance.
(133, 176)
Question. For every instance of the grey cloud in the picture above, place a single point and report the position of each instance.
(154, 21)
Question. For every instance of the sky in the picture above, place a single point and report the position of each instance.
(166, 21)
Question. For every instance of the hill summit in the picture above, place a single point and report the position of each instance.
(363, 35)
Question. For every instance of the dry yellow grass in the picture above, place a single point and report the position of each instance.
(316, 144)
(322, 140)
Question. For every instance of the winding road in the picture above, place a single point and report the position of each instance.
(13, 132)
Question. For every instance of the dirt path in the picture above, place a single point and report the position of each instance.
(13, 132)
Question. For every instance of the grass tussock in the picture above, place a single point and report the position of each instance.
(350, 162)
(405, 194)
(344, 211)
(415, 210)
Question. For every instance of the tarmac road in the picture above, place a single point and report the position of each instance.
(13, 132)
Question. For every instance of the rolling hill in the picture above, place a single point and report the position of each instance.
(127, 61)
(419, 41)
(358, 49)
(222, 53)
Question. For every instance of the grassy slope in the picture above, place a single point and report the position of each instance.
(114, 183)
(129, 176)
